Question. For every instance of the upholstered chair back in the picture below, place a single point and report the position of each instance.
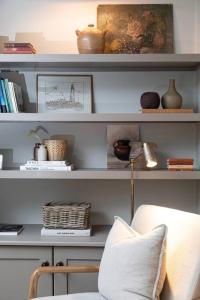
(183, 249)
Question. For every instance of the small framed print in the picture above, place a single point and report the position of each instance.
(64, 93)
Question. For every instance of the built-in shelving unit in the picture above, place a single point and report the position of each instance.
(104, 62)
(102, 117)
(103, 174)
(31, 236)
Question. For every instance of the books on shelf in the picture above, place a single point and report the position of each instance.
(18, 48)
(66, 232)
(11, 98)
(180, 164)
(33, 165)
(10, 229)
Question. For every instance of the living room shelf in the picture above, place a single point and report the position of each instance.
(110, 62)
(103, 174)
(101, 117)
(31, 236)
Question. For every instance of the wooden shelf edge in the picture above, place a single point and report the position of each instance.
(101, 117)
(101, 174)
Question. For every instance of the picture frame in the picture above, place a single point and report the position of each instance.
(63, 93)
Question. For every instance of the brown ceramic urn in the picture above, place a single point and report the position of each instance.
(90, 40)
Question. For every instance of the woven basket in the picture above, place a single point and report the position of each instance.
(66, 215)
(56, 149)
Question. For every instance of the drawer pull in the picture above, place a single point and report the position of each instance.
(60, 264)
(45, 264)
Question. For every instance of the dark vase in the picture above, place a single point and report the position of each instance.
(122, 149)
(150, 100)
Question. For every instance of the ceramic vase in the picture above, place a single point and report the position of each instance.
(150, 100)
(171, 99)
(90, 40)
(122, 149)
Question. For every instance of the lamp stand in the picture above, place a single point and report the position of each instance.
(132, 163)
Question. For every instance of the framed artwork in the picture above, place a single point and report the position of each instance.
(64, 93)
(137, 28)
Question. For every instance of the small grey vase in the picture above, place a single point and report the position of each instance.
(171, 99)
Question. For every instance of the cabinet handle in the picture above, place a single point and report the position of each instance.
(60, 264)
(45, 264)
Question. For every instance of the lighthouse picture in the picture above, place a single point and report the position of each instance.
(64, 93)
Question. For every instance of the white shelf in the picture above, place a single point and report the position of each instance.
(101, 117)
(103, 174)
(108, 62)
(31, 236)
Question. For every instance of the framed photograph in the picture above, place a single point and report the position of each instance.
(137, 28)
(64, 93)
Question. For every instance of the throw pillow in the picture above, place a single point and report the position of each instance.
(132, 265)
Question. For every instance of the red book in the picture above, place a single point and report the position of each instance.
(18, 52)
(19, 49)
(180, 161)
(17, 45)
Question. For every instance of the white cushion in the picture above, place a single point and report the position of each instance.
(183, 249)
(82, 296)
(132, 265)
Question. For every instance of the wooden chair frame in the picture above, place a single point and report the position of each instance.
(33, 285)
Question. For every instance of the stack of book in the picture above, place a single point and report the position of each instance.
(18, 48)
(180, 164)
(11, 98)
(66, 232)
(34, 165)
(10, 229)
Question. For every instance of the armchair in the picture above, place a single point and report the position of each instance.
(182, 255)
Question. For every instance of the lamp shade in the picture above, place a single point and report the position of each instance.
(149, 154)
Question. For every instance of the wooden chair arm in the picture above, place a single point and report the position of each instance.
(33, 285)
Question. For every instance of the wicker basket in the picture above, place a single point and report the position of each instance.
(66, 215)
(56, 149)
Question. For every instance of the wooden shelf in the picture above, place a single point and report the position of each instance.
(101, 117)
(102, 62)
(102, 174)
(31, 236)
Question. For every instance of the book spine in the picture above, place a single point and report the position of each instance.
(46, 168)
(48, 162)
(13, 98)
(17, 52)
(17, 45)
(180, 169)
(8, 95)
(19, 49)
(53, 232)
(4, 94)
(180, 166)
(181, 161)
(3, 99)
(18, 96)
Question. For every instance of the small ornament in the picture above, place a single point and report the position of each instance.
(150, 100)
(171, 99)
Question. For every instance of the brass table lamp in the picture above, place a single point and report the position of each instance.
(151, 162)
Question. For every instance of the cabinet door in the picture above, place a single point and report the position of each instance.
(16, 266)
(76, 283)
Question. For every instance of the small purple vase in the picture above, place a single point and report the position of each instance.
(150, 100)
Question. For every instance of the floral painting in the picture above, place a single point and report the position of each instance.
(137, 28)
